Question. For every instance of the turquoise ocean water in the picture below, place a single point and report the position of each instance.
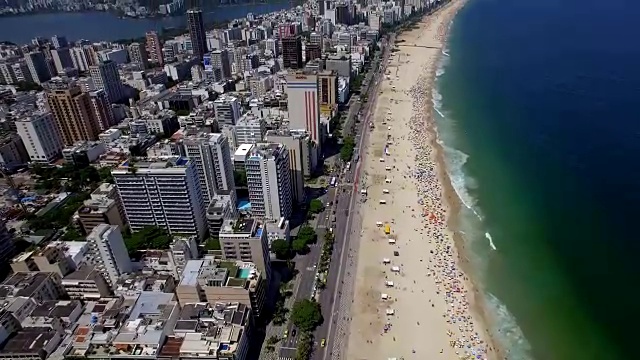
(538, 114)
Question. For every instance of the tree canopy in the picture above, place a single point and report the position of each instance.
(280, 247)
(316, 206)
(306, 315)
(148, 238)
(346, 151)
(308, 234)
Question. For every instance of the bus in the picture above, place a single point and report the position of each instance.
(333, 181)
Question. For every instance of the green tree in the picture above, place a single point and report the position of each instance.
(299, 246)
(305, 347)
(280, 247)
(306, 315)
(105, 175)
(212, 244)
(307, 234)
(316, 206)
(240, 178)
(148, 238)
(346, 152)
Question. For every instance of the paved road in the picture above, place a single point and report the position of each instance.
(306, 266)
(341, 280)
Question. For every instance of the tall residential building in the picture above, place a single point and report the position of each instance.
(102, 109)
(73, 114)
(106, 77)
(292, 52)
(246, 239)
(108, 253)
(328, 88)
(195, 23)
(220, 64)
(154, 48)
(138, 54)
(304, 105)
(250, 129)
(227, 110)
(300, 155)
(7, 249)
(61, 59)
(59, 41)
(37, 64)
(79, 58)
(212, 158)
(269, 181)
(41, 137)
(163, 193)
(312, 51)
(21, 71)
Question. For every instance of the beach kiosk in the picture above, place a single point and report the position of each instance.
(387, 229)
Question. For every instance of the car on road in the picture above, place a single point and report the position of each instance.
(293, 333)
(323, 342)
(286, 332)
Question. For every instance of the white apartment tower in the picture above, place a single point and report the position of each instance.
(304, 106)
(227, 110)
(212, 158)
(250, 129)
(269, 181)
(108, 253)
(40, 136)
(106, 77)
(163, 193)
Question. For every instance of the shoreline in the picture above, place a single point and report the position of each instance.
(462, 330)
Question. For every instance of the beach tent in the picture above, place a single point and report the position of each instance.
(388, 283)
(389, 128)
(385, 191)
(390, 312)
(382, 201)
(395, 268)
(386, 261)
(387, 180)
(381, 159)
(379, 223)
(388, 168)
(363, 191)
(384, 296)
(392, 241)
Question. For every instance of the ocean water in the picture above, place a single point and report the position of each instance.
(538, 113)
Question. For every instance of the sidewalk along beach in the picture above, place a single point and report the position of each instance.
(411, 298)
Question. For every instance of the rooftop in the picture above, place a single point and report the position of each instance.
(29, 341)
(242, 225)
(23, 283)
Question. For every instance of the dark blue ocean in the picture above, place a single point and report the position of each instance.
(539, 105)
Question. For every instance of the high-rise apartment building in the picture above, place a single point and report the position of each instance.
(138, 54)
(227, 110)
(73, 113)
(250, 129)
(102, 109)
(312, 51)
(106, 77)
(246, 239)
(304, 105)
(59, 41)
(61, 59)
(212, 157)
(269, 181)
(292, 52)
(154, 48)
(79, 58)
(328, 88)
(220, 64)
(164, 193)
(300, 155)
(108, 253)
(7, 249)
(41, 137)
(37, 64)
(195, 23)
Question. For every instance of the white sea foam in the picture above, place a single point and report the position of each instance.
(506, 329)
(491, 244)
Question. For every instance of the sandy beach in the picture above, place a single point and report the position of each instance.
(415, 303)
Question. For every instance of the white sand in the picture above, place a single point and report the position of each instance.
(430, 293)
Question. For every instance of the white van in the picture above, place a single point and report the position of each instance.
(385, 191)
(383, 201)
